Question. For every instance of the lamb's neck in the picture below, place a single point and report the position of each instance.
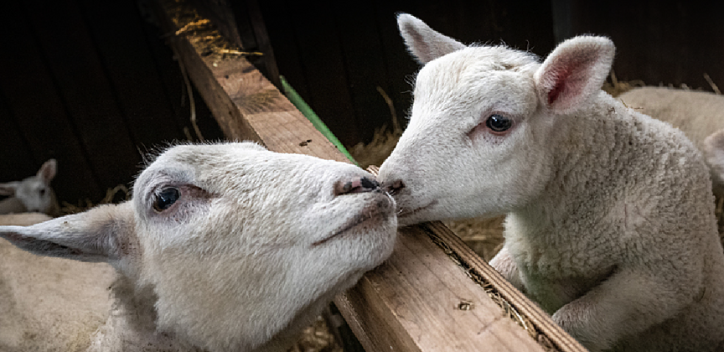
(590, 159)
(131, 325)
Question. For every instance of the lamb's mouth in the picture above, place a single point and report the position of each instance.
(409, 212)
(370, 212)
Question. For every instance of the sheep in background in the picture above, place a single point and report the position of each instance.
(226, 247)
(23, 219)
(610, 220)
(697, 114)
(32, 194)
(713, 147)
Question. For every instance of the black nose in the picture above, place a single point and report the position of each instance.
(394, 187)
(355, 185)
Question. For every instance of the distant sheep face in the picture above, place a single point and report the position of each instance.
(34, 192)
(238, 243)
(480, 120)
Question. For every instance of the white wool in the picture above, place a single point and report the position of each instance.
(32, 194)
(610, 224)
(698, 114)
(255, 246)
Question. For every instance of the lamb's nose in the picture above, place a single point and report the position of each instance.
(355, 185)
(394, 187)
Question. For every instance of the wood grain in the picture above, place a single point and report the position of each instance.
(418, 300)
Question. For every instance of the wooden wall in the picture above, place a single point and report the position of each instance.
(336, 53)
(657, 41)
(89, 83)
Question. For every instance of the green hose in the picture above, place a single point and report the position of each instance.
(302, 106)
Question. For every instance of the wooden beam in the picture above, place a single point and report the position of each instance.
(434, 293)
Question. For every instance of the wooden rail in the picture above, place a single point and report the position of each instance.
(434, 293)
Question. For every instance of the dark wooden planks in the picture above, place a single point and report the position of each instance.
(93, 85)
(286, 47)
(32, 96)
(670, 42)
(115, 27)
(364, 65)
(325, 48)
(17, 161)
(253, 29)
(84, 88)
(174, 88)
(314, 27)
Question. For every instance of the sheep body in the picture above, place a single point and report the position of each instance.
(610, 224)
(697, 114)
(225, 247)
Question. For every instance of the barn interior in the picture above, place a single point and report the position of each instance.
(94, 84)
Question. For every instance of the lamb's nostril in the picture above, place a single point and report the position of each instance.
(355, 185)
(395, 186)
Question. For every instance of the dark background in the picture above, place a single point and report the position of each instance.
(92, 84)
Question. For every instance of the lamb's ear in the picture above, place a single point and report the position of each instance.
(714, 153)
(573, 72)
(47, 171)
(424, 43)
(97, 235)
(8, 189)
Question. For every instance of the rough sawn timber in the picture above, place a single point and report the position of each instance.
(420, 299)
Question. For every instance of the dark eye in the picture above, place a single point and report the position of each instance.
(498, 123)
(42, 192)
(166, 198)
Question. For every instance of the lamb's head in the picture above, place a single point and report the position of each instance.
(481, 117)
(714, 153)
(35, 192)
(239, 244)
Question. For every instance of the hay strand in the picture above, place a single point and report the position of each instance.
(712, 84)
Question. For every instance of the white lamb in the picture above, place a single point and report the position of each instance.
(32, 194)
(697, 114)
(226, 247)
(610, 224)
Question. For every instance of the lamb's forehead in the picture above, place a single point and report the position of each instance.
(468, 64)
(459, 78)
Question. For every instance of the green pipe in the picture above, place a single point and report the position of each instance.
(302, 106)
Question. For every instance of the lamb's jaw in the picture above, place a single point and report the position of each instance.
(406, 213)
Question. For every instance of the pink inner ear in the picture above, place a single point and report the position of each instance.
(570, 77)
(559, 86)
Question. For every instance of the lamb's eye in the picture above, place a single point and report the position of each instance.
(42, 192)
(498, 123)
(166, 198)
